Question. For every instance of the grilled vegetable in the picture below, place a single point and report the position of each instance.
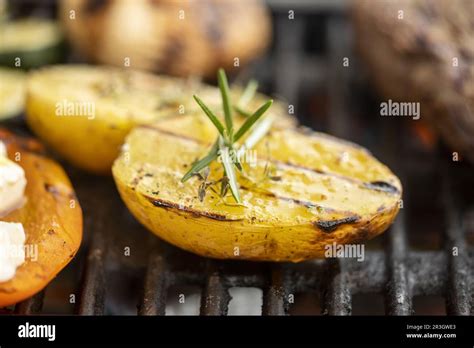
(84, 113)
(35, 41)
(177, 37)
(422, 51)
(12, 93)
(51, 217)
(304, 191)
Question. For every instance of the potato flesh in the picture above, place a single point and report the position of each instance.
(121, 99)
(317, 198)
(167, 169)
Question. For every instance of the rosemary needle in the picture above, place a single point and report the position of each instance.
(224, 87)
(248, 93)
(224, 147)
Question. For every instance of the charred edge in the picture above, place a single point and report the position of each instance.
(382, 186)
(196, 213)
(328, 226)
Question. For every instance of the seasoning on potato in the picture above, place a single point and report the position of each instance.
(84, 112)
(300, 191)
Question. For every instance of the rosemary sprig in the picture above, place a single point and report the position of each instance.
(249, 122)
(225, 146)
(248, 93)
(202, 163)
(211, 116)
(246, 97)
(224, 87)
(228, 164)
(254, 137)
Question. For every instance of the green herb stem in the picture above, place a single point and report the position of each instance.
(247, 94)
(249, 122)
(224, 87)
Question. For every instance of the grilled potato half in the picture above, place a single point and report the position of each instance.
(85, 112)
(51, 217)
(302, 192)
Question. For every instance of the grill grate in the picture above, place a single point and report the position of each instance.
(397, 271)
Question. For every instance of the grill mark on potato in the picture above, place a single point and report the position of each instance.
(379, 186)
(167, 204)
(160, 203)
(296, 201)
(179, 136)
(317, 171)
(329, 226)
(382, 186)
(309, 132)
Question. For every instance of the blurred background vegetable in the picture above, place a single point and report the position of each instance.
(175, 37)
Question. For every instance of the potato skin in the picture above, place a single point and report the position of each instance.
(209, 237)
(88, 144)
(52, 219)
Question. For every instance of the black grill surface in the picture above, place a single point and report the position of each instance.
(305, 68)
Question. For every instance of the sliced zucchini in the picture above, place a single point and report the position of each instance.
(306, 191)
(35, 42)
(12, 92)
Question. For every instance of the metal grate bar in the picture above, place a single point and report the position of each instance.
(398, 300)
(337, 295)
(33, 305)
(275, 295)
(215, 298)
(156, 286)
(397, 271)
(457, 297)
(428, 271)
(92, 300)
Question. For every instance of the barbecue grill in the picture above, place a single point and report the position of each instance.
(123, 269)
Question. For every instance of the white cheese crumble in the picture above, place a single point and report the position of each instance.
(12, 249)
(12, 183)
